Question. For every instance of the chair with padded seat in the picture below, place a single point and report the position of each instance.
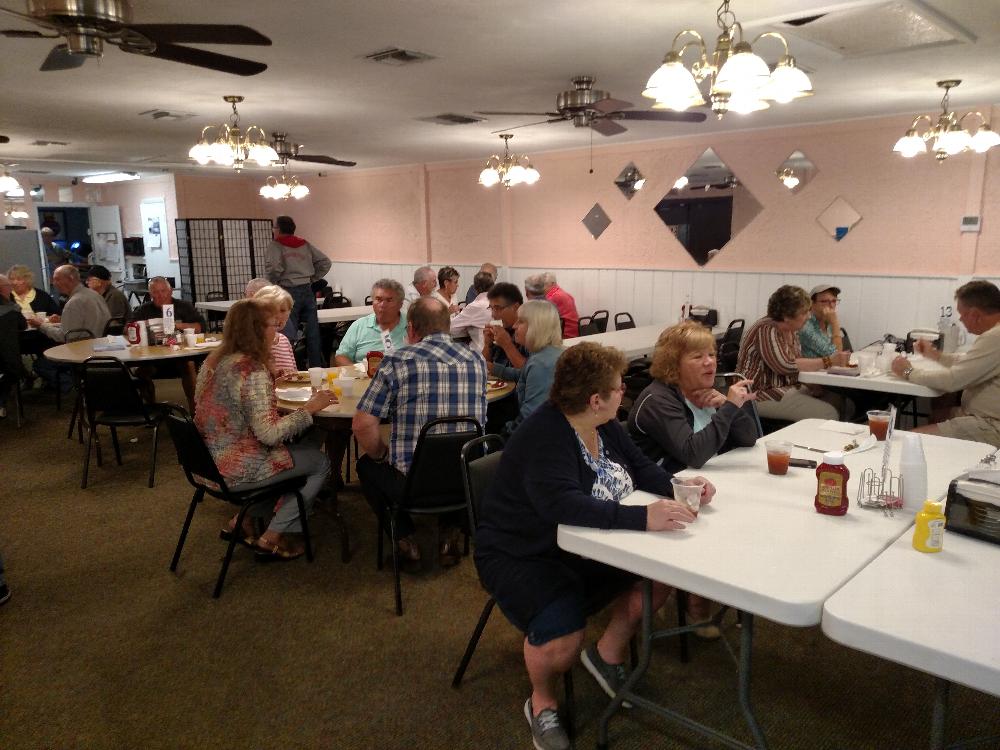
(203, 474)
(600, 319)
(433, 484)
(587, 326)
(623, 321)
(480, 460)
(112, 399)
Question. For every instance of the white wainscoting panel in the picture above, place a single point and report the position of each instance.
(871, 305)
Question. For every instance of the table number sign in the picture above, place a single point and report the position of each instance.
(168, 319)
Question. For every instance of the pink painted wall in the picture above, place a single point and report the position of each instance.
(911, 208)
(129, 195)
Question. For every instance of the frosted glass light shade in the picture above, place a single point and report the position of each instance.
(985, 139)
(953, 142)
(910, 145)
(674, 87)
(489, 177)
(787, 83)
(742, 73)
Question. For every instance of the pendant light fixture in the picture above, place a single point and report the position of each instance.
(283, 189)
(230, 146)
(945, 133)
(739, 80)
(510, 169)
(7, 183)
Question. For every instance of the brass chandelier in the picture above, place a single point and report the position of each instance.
(231, 146)
(946, 134)
(511, 169)
(283, 189)
(739, 80)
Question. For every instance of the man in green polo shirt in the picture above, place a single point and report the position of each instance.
(383, 331)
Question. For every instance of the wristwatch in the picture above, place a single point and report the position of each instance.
(907, 371)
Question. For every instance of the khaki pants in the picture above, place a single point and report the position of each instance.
(796, 404)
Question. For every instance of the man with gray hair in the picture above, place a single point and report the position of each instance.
(255, 285)
(424, 282)
(534, 287)
(382, 331)
(471, 294)
(564, 303)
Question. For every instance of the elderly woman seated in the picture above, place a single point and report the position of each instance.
(681, 421)
(570, 462)
(282, 358)
(539, 330)
(237, 417)
(770, 356)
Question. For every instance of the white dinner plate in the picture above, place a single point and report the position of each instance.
(207, 344)
(294, 394)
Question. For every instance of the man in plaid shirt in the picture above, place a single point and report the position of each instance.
(433, 377)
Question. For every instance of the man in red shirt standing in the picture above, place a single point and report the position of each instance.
(564, 303)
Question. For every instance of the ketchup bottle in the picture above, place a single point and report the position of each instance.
(831, 485)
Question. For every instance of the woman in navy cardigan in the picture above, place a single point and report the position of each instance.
(570, 462)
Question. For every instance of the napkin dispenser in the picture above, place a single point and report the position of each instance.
(927, 334)
(973, 507)
(704, 315)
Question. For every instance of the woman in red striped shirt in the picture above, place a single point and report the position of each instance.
(282, 358)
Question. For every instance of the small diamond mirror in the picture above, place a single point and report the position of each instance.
(707, 207)
(596, 221)
(630, 180)
(838, 219)
(796, 171)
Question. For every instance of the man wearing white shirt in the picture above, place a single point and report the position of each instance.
(424, 282)
(976, 373)
(468, 323)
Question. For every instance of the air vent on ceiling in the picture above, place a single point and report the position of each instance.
(162, 114)
(450, 118)
(48, 143)
(878, 28)
(397, 56)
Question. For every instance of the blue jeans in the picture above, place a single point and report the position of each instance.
(304, 311)
(310, 462)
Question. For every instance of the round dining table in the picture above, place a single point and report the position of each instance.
(76, 352)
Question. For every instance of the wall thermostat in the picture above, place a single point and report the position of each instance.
(970, 224)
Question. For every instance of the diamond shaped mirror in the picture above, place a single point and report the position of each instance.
(838, 219)
(796, 171)
(630, 180)
(707, 207)
(596, 221)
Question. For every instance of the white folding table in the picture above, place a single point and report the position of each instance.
(330, 315)
(633, 342)
(938, 613)
(761, 547)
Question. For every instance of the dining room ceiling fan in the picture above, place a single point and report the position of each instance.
(87, 25)
(586, 107)
(288, 151)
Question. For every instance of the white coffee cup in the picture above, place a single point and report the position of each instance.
(190, 339)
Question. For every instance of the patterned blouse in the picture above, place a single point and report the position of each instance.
(767, 357)
(237, 416)
(613, 482)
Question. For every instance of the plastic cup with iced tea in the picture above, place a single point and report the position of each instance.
(878, 423)
(778, 453)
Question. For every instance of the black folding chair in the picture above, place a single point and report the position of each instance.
(11, 369)
(113, 400)
(600, 319)
(480, 460)
(76, 416)
(433, 484)
(114, 326)
(202, 473)
(587, 326)
(214, 318)
(847, 342)
(623, 320)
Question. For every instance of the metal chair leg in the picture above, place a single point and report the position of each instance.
(86, 459)
(682, 601)
(470, 649)
(114, 442)
(229, 552)
(152, 458)
(198, 495)
(395, 564)
(381, 551)
(305, 525)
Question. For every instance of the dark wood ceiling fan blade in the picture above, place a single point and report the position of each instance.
(526, 125)
(320, 159)
(605, 126)
(203, 59)
(664, 115)
(612, 105)
(521, 114)
(60, 58)
(201, 33)
(4, 139)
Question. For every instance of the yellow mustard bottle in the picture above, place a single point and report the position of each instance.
(928, 534)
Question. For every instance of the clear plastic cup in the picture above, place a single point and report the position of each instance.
(688, 491)
(778, 453)
(316, 378)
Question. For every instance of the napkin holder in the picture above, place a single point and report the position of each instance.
(973, 508)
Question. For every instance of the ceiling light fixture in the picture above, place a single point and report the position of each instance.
(100, 179)
(787, 178)
(8, 183)
(15, 213)
(231, 146)
(283, 189)
(511, 169)
(739, 80)
(948, 135)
